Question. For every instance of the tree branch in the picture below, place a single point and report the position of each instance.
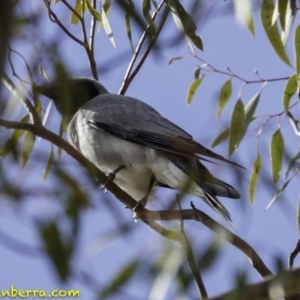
(145, 215)
(284, 285)
(199, 216)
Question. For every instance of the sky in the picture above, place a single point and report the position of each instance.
(102, 251)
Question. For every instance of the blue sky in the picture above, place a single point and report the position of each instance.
(273, 234)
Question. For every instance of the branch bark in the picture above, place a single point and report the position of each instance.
(283, 285)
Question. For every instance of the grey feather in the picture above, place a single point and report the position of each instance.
(114, 130)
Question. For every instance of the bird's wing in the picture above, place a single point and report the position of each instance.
(133, 120)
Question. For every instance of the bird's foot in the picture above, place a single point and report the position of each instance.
(111, 177)
(140, 203)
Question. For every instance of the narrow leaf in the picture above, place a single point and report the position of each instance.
(59, 253)
(107, 27)
(254, 177)
(236, 126)
(94, 13)
(289, 17)
(174, 59)
(297, 50)
(221, 137)
(146, 12)
(79, 9)
(243, 11)
(275, 13)
(12, 142)
(282, 7)
(289, 91)
(185, 22)
(106, 6)
(225, 94)
(277, 147)
(250, 108)
(124, 276)
(49, 164)
(278, 193)
(292, 162)
(272, 32)
(128, 14)
(192, 90)
(27, 147)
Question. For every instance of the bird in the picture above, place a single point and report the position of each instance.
(134, 145)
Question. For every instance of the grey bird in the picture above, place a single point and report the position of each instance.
(134, 145)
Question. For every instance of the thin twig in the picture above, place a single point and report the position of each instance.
(212, 69)
(87, 48)
(92, 44)
(130, 76)
(53, 17)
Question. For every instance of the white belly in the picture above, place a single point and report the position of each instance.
(142, 163)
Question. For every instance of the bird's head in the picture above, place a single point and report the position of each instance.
(70, 94)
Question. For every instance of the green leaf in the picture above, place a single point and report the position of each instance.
(225, 94)
(128, 14)
(292, 163)
(289, 91)
(282, 7)
(221, 137)
(272, 32)
(79, 10)
(243, 9)
(236, 126)
(192, 90)
(254, 177)
(124, 276)
(107, 27)
(278, 193)
(106, 6)
(146, 12)
(275, 13)
(250, 109)
(197, 72)
(58, 252)
(277, 147)
(27, 147)
(95, 13)
(185, 22)
(49, 164)
(297, 50)
(12, 142)
(68, 181)
(174, 59)
(287, 17)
